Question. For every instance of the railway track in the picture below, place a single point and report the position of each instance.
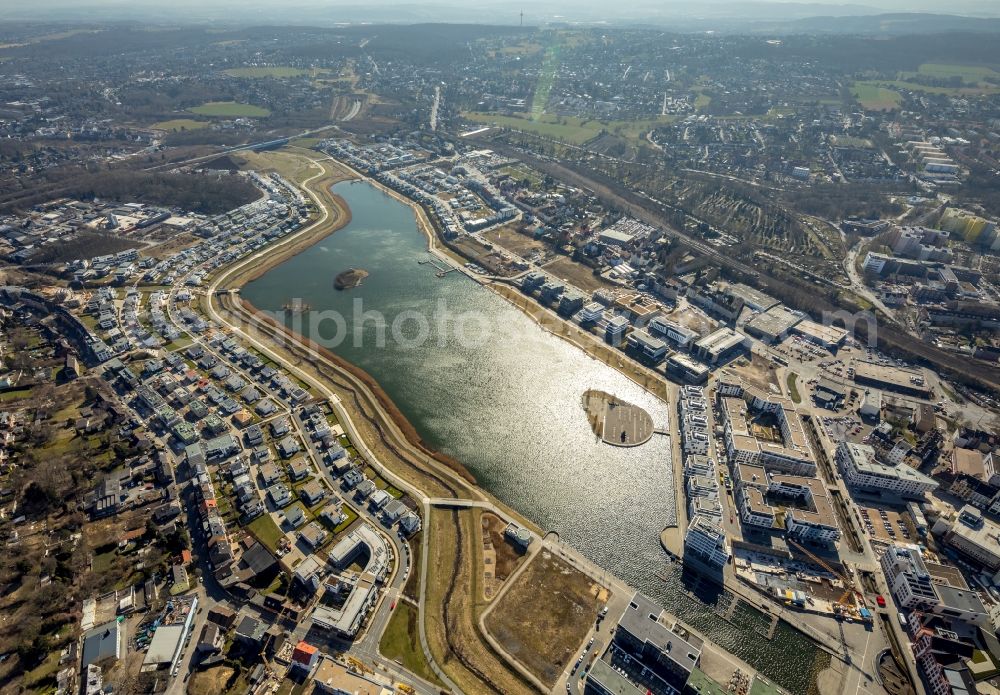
(890, 337)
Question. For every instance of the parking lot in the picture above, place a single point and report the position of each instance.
(846, 428)
(886, 525)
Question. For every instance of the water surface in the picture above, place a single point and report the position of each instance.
(508, 406)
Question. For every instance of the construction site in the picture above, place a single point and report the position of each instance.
(802, 581)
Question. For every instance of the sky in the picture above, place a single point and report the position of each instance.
(484, 11)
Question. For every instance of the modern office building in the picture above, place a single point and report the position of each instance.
(652, 349)
(719, 346)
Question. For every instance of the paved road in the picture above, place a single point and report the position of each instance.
(858, 285)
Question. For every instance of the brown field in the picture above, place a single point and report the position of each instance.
(545, 615)
(454, 602)
(514, 241)
(500, 557)
(576, 274)
(170, 246)
(296, 166)
(508, 556)
(210, 681)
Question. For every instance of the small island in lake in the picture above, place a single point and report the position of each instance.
(615, 421)
(349, 279)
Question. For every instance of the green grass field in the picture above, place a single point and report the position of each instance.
(230, 109)
(277, 71)
(566, 128)
(968, 90)
(400, 642)
(177, 124)
(793, 391)
(15, 394)
(547, 76)
(266, 531)
(970, 74)
(569, 129)
(874, 97)
(975, 79)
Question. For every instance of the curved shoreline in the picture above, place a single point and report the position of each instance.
(292, 246)
(383, 403)
(386, 403)
(296, 244)
(506, 292)
(342, 216)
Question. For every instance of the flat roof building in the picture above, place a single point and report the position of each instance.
(861, 470)
(652, 349)
(361, 588)
(687, 369)
(829, 337)
(774, 324)
(719, 346)
(706, 541)
(895, 379)
(974, 536)
(914, 588)
(333, 678)
(755, 299)
(779, 444)
(661, 650)
(105, 641)
(813, 518)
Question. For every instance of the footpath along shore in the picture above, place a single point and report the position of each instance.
(339, 215)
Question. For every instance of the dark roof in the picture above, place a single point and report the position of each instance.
(258, 559)
(101, 642)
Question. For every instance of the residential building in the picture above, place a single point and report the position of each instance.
(706, 541)
(660, 658)
(861, 470)
(786, 450)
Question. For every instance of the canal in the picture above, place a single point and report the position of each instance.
(480, 381)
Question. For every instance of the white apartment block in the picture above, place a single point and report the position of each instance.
(706, 540)
(858, 465)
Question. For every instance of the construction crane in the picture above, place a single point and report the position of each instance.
(358, 665)
(841, 607)
(848, 582)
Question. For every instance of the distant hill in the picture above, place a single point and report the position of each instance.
(895, 24)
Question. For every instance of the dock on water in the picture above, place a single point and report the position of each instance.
(441, 268)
